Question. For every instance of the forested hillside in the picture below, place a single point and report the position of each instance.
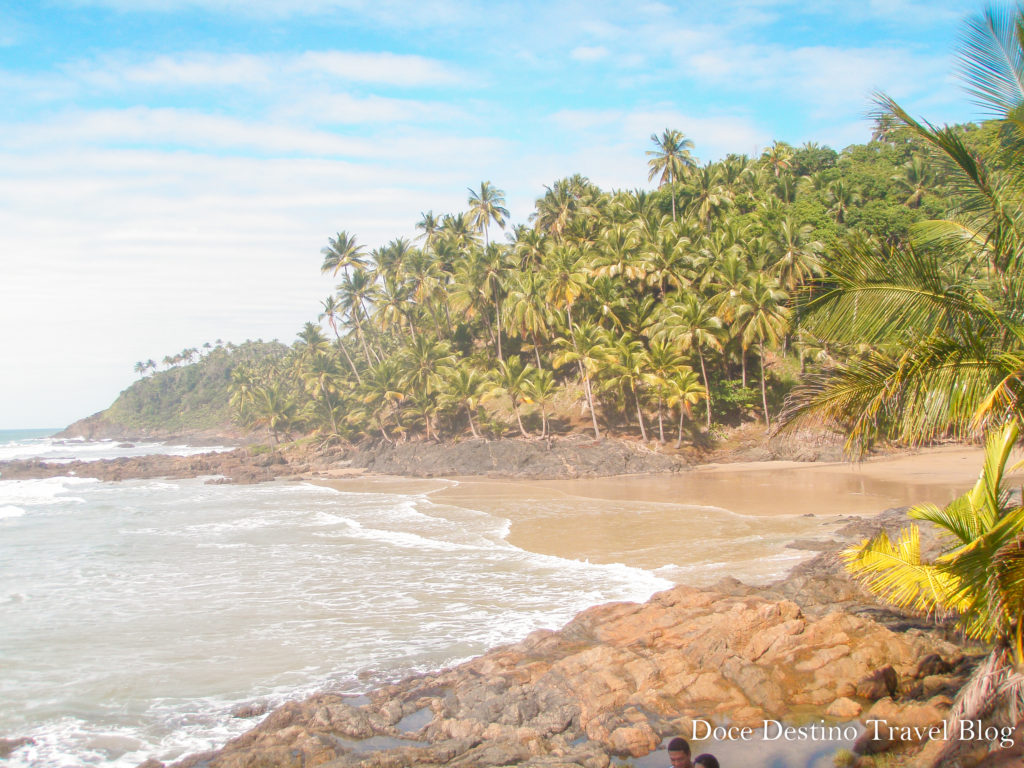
(191, 396)
(652, 313)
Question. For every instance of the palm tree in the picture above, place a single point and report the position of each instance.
(761, 317)
(916, 179)
(627, 366)
(525, 311)
(779, 157)
(585, 347)
(430, 227)
(332, 311)
(841, 195)
(342, 253)
(421, 363)
(562, 203)
(512, 379)
(540, 390)
(797, 256)
(273, 408)
(320, 374)
(670, 160)
(979, 578)
(486, 206)
(690, 324)
(685, 391)
(465, 386)
(354, 292)
(663, 365)
(706, 194)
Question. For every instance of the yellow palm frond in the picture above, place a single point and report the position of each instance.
(894, 571)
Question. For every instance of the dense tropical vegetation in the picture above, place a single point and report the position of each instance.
(652, 313)
(940, 319)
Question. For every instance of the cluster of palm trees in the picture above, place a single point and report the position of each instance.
(185, 357)
(630, 306)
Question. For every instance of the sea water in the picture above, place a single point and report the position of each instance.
(134, 616)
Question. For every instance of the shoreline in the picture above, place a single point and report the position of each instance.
(636, 520)
(650, 506)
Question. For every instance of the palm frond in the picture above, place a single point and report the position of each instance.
(894, 572)
(991, 63)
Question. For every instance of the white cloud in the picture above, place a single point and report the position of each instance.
(629, 131)
(284, 72)
(182, 70)
(381, 68)
(589, 53)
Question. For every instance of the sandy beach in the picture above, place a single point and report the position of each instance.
(743, 512)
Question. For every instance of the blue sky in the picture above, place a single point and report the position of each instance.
(170, 169)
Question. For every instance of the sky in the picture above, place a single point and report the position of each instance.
(171, 169)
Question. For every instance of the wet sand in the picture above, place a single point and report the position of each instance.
(694, 524)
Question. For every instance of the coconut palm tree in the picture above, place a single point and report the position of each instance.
(511, 379)
(342, 253)
(670, 160)
(761, 316)
(355, 291)
(332, 311)
(979, 579)
(465, 386)
(685, 391)
(487, 205)
(586, 348)
(273, 408)
(540, 390)
(797, 256)
(691, 325)
(627, 365)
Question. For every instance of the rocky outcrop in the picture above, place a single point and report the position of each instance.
(238, 466)
(614, 681)
(100, 427)
(499, 458)
(569, 457)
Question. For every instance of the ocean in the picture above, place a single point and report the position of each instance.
(135, 616)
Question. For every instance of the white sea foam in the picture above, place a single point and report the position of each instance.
(9, 510)
(62, 450)
(42, 492)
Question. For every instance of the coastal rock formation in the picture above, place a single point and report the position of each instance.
(238, 466)
(614, 681)
(568, 458)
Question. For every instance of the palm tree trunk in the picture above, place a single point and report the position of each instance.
(362, 338)
(344, 351)
(536, 350)
(679, 438)
(330, 409)
(764, 396)
(661, 426)
(472, 426)
(640, 415)
(743, 362)
(707, 386)
(497, 322)
(590, 401)
(515, 407)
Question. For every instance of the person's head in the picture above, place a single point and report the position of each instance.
(679, 753)
(705, 761)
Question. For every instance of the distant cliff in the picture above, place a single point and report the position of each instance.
(189, 401)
